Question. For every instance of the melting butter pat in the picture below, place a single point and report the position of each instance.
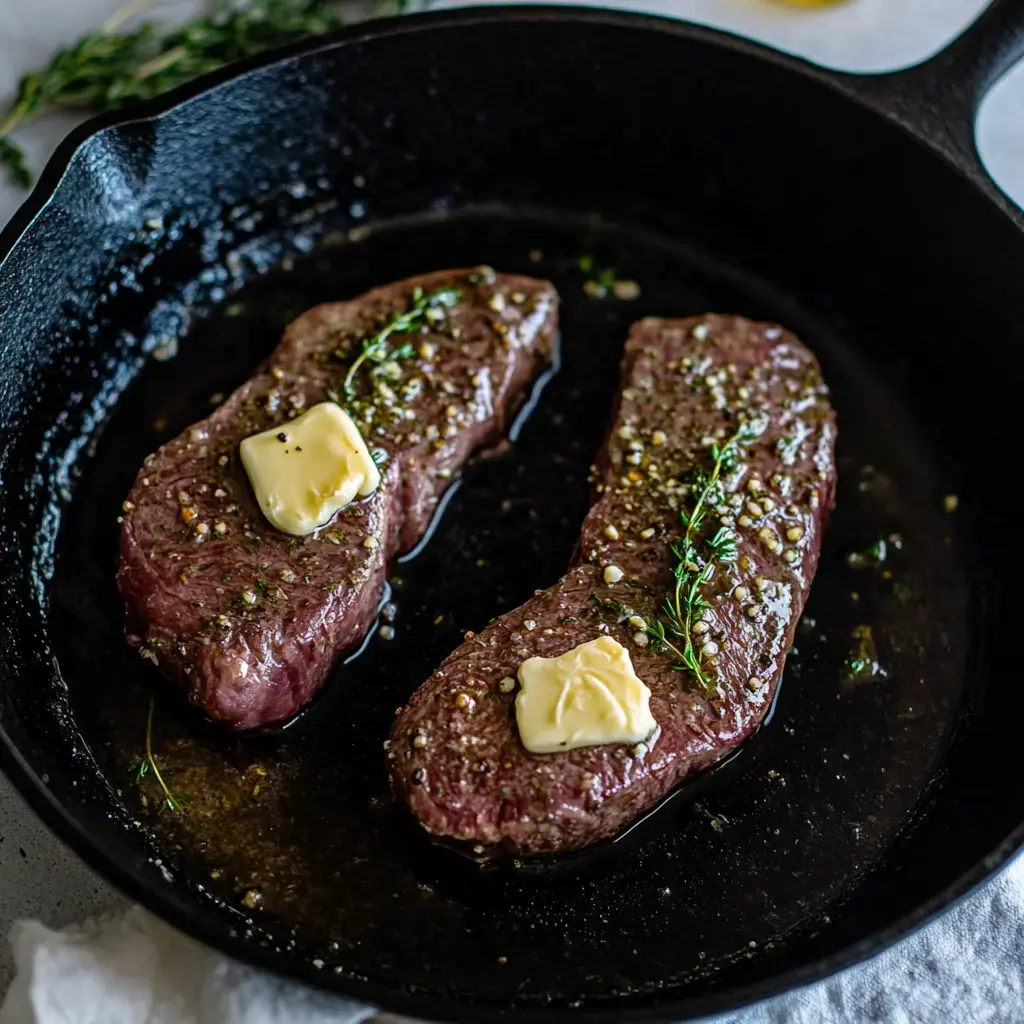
(303, 471)
(585, 697)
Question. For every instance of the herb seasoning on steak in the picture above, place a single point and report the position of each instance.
(251, 620)
(689, 387)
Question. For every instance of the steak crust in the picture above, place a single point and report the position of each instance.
(251, 620)
(455, 754)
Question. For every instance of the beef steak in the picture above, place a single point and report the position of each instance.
(249, 619)
(455, 753)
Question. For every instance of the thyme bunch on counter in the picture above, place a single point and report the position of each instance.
(426, 309)
(112, 67)
(695, 559)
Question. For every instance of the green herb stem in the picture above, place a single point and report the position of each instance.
(693, 569)
(424, 310)
(149, 763)
(112, 66)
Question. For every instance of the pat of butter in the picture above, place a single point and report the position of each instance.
(303, 471)
(585, 697)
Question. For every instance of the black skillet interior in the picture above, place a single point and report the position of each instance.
(715, 177)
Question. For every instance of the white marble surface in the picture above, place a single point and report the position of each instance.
(38, 876)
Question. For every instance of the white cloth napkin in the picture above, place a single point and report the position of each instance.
(129, 968)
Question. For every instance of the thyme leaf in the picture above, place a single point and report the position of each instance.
(111, 67)
(599, 279)
(602, 282)
(862, 661)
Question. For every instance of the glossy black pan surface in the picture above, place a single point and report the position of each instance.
(717, 176)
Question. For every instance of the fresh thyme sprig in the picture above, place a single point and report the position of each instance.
(148, 764)
(695, 561)
(424, 311)
(109, 68)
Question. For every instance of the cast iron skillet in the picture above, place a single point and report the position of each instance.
(718, 175)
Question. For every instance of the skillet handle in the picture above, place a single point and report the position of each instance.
(939, 99)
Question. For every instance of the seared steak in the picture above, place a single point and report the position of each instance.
(455, 753)
(249, 619)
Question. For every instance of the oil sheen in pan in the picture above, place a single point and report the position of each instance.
(523, 414)
(296, 830)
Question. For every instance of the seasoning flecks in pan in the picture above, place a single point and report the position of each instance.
(298, 827)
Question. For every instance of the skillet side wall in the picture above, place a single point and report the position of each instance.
(744, 159)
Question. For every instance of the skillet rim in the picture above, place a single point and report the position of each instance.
(77, 837)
